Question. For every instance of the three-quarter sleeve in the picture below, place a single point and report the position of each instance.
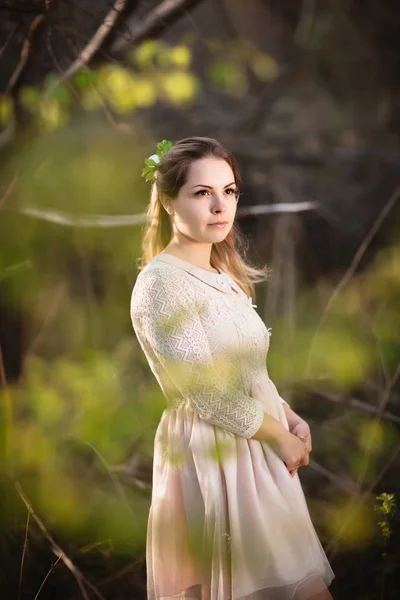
(168, 326)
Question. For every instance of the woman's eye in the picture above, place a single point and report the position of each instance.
(233, 192)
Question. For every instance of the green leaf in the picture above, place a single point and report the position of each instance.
(163, 147)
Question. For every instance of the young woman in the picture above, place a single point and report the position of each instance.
(228, 517)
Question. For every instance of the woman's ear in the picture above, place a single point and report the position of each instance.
(167, 204)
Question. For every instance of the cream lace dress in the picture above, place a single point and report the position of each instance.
(227, 521)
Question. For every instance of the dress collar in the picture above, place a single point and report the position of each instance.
(221, 281)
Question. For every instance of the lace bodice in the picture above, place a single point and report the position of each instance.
(203, 340)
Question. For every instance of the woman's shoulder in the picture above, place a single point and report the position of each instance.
(157, 272)
(159, 280)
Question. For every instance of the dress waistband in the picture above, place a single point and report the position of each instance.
(177, 402)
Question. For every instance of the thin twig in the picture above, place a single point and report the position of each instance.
(152, 24)
(51, 312)
(304, 25)
(4, 46)
(358, 495)
(92, 46)
(56, 549)
(23, 556)
(365, 496)
(56, 62)
(386, 415)
(122, 127)
(352, 268)
(118, 487)
(49, 572)
(8, 191)
(8, 413)
(347, 485)
(277, 207)
(395, 377)
(26, 48)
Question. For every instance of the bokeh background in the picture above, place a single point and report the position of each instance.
(306, 96)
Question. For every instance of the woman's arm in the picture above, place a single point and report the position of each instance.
(270, 430)
(168, 326)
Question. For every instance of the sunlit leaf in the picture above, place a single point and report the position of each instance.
(62, 93)
(339, 355)
(59, 499)
(29, 98)
(52, 114)
(82, 79)
(31, 447)
(178, 56)
(264, 67)
(6, 110)
(50, 80)
(144, 54)
(144, 91)
(229, 76)
(371, 437)
(351, 523)
(362, 465)
(118, 86)
(91, 99)
(49, 406)
(179, 87)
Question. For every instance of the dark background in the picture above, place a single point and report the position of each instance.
(306, 96)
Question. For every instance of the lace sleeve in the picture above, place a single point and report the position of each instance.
(167, 323)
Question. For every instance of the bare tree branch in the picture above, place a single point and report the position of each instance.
(277, 207)
(4, 46)
(80, 578)
(49, 572)
(21, 569)
(386, 415)
(8, 191)
(153, 24)
(7, 135)
(26, 48)
(353, 266)
(62, 218)
(342, 481)
(92, 46)
(24, 10)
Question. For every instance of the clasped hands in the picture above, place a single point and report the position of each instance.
(300, 428)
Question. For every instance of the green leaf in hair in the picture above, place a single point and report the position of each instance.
(152, 162)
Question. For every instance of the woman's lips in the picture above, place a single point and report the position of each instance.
(219, 225)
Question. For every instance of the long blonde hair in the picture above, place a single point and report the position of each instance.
(230, 254)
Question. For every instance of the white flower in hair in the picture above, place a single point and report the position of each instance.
(151, 163)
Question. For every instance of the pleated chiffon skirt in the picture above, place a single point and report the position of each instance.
(227, 521)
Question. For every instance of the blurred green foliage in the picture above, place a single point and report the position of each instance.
(154, 72)
(86, 403)
(386, 507)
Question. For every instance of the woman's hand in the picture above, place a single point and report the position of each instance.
(292, 450)
(300, 428)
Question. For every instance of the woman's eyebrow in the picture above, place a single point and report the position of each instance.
(210, 186)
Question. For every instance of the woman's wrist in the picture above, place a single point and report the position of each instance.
(271, 430)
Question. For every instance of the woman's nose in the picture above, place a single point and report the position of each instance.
(219, 203)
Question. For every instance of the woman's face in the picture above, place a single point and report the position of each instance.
(209, 195)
